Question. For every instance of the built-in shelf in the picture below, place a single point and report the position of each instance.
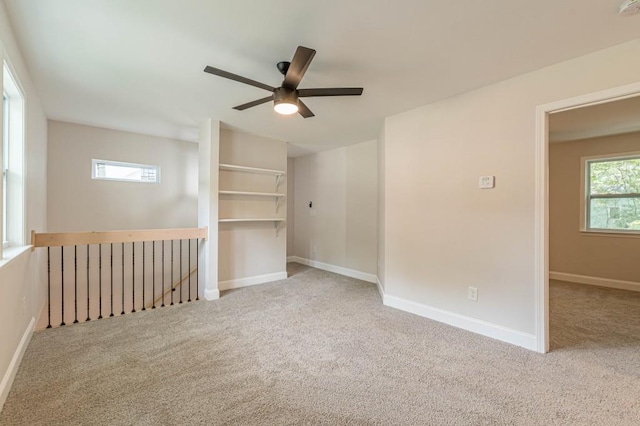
(260, 219)
(235, 168)
(252, 194)
(278, 174)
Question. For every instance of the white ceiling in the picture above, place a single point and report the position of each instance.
(606, 119)
(137, 64)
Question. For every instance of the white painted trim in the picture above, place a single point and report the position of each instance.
(380, 290)
(505, 334)
(291, 259)
(10, 374)
(541, 239)
(258, 279)
(211, 294)
(601, 282)
(337, 269)
(541, 254)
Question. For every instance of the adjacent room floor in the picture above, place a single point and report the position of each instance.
(320, 348)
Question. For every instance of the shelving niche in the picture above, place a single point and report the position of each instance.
(259, 195)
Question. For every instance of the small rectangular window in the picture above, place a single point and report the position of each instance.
(612, 189)
(129, 172)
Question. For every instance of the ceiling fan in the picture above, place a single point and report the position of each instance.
(286, 98)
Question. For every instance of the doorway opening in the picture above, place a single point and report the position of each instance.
(587, 217)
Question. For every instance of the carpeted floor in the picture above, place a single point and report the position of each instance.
(320, 348)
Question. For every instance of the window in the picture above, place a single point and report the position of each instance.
(116, 170)
(5, 163)
(612, 188)
(12, 160)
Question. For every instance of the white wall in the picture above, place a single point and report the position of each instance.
(251, 252)
(444, 234)
(290, 206)
(79, 203)
(21, 292)
(342, 184)
(208, 163)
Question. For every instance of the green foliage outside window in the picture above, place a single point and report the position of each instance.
(610, 178)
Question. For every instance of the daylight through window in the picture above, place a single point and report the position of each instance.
(5, 162)
(116, 170)
(613, 194)
(12, 160)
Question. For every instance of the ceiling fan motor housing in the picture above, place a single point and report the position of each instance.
(284, 95)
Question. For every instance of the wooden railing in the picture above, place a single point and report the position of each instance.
(125, 271)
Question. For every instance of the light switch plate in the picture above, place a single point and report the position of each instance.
(486, 182)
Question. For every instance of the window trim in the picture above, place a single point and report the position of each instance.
(585, 195)
(96, 161)
(17, 234)
(5, 151)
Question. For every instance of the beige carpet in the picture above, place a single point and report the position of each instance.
(320, 349)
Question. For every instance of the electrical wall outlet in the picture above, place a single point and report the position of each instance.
(472, 294)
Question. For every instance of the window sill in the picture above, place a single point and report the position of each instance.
(11, 253)
(611, 234)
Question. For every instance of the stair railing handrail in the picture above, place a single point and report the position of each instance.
(57, 239)
(120, 238)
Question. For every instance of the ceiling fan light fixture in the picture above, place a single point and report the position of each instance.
(285, 108)
(285, 101)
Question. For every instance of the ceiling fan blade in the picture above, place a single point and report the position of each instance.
(304, 110)
(330, 91)
(235, 77)
(299, 64)
(254, 103)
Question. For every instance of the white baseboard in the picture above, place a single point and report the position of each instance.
(10, 374)
(258, 279)
(291, 259)
(211, 294)
(602, 282)
(505, 334)
(337, 269)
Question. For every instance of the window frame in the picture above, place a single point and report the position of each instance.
(586, 197)
(4, 156)
(95, 162)
(13, 211)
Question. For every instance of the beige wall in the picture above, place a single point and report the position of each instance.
(442, 233)
(251, 249)
(573, 252)
(21, 291)
(290, 205)
(79, 203)
(342, 184)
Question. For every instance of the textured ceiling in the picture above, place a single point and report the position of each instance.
(137, 64)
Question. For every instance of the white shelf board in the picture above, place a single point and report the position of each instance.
(259, 219)
(256, 194)
(235, 168)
